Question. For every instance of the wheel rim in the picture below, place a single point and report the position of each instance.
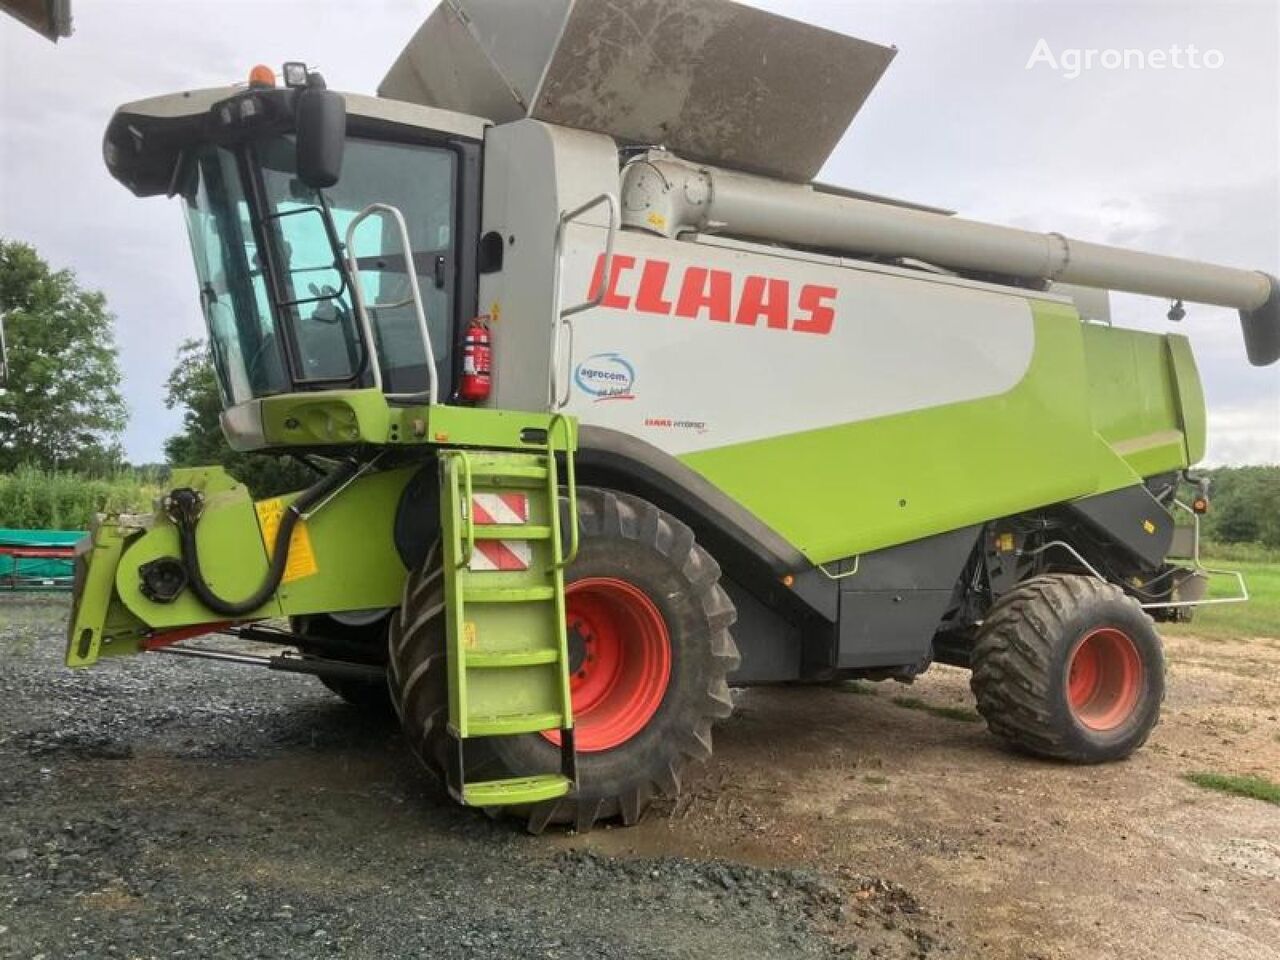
(1104, 679)
(620, 654)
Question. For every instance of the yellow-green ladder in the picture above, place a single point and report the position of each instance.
(508, 653)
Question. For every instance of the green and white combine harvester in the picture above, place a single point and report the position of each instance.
(612, 408)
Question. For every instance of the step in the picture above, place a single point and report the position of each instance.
(512, 531)
(499, 793)
(508, 725)
(506, 594)
(511, 658)
(506, 475)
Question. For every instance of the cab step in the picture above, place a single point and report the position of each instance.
(502, 793)
(511, 724)
(512, 658)
(509, 594)
(513, 532)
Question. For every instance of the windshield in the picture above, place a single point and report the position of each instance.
(233, 293)
(279, 306)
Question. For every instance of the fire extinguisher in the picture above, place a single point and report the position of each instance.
(477, 362)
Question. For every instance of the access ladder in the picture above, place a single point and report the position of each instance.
(508, 657)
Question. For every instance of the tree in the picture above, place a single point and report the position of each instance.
(1246, 505)
(193, 387)
(62, 406)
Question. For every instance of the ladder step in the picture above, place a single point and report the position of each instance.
(505, 475)
(507, 594)
(508, 725)
(512, 658)
(498, 793)
(512, 531)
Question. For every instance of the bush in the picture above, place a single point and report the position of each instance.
(1239, 552)
(1246, 506)
(35, 499)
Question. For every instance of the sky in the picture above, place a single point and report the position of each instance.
(988, 109)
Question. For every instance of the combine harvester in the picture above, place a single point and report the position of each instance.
(612, 408)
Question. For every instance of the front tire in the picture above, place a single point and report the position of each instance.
(650, 653)
(1069, 667)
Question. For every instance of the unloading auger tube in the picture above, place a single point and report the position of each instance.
(184, 507)
(669, 196)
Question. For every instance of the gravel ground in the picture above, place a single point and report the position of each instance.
(159, 807)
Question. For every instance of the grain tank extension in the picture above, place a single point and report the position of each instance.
(612, 408)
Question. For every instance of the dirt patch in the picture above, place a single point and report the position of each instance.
(1025, 858)
(157, 807)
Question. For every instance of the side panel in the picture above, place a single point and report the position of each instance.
(888, 628)
(533, 173)
(848, 407)
(869, 484)
(771, 647)
(1132, 519)
(1190, 391)
(891, 608)
(698, 347)
(1133, 397)
(355, 562)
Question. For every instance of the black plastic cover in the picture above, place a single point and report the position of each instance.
(1262, 329)
(1132, 519)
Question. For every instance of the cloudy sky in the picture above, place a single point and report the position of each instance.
(1179, 161)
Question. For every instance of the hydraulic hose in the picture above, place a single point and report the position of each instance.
(185, 506)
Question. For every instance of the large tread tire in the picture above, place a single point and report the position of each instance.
(622, 537)
(1023, 655)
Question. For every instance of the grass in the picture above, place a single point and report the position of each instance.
(1233, 552)
(948, 713)
(1255, 788)
(33, 499)
(856, 687)
(1260, 617)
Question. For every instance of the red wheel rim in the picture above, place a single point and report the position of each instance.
(1104, 679)
(620, 652)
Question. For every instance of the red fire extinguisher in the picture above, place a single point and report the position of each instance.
(477, 362)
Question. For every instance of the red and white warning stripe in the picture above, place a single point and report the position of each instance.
(500, 508)
(501, 555)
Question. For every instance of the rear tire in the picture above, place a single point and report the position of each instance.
(622, 764)
(1071, 668)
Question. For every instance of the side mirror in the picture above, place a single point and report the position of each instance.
(322, 136)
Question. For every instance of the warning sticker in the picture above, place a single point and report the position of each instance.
(302, 559)
(502, 555)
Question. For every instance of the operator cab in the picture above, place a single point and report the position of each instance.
(308, 227)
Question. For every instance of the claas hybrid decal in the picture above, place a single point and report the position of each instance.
(612, 407)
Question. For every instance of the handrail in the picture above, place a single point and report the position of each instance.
(467, 541)
(597, 296)
(1197, 568)
(560, 419)
(432, 396)
(561, 316)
